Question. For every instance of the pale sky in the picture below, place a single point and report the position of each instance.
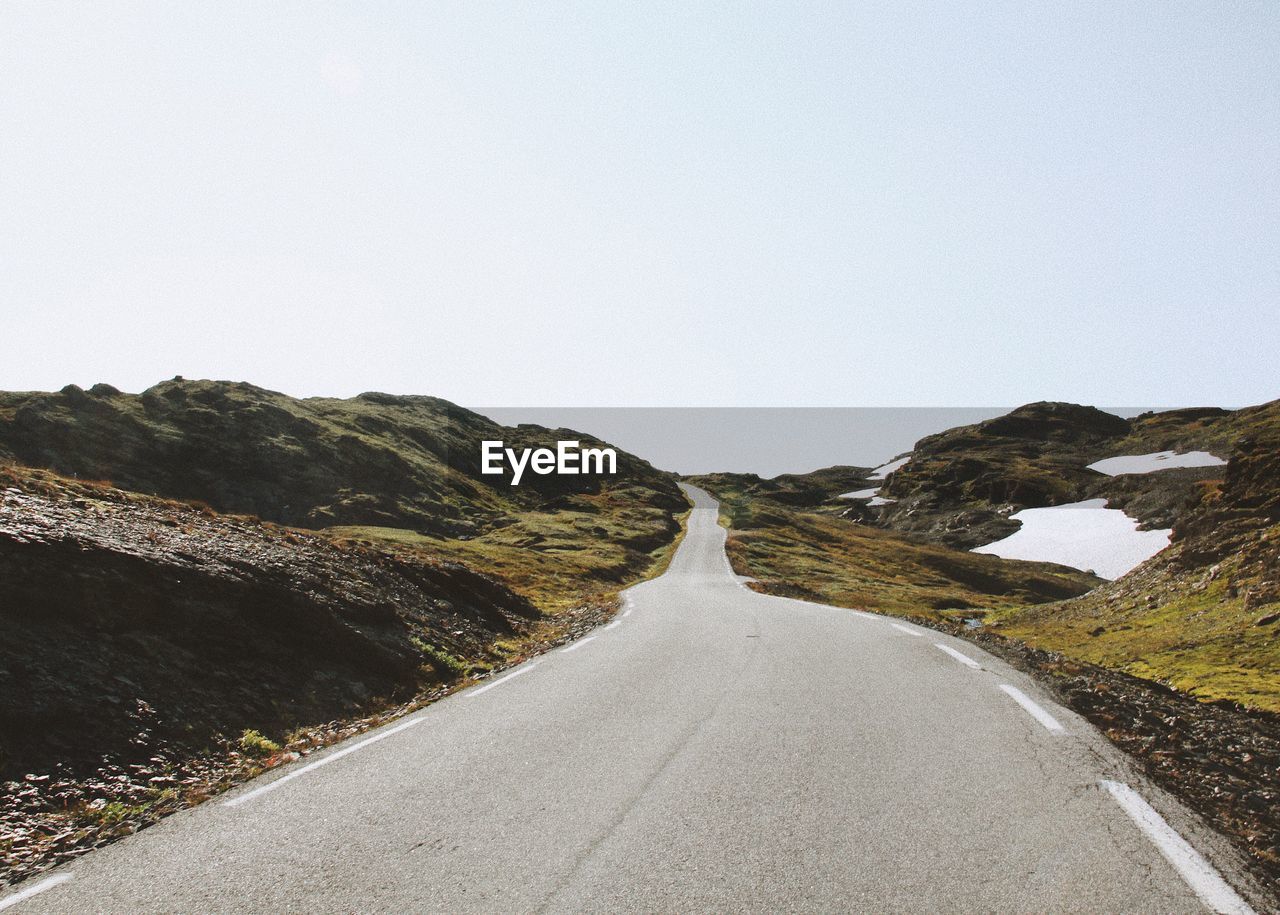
(611, 204)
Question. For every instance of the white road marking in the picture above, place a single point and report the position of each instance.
(864, 614)
(575, 646)
(1198, 873)
(47, 884)
(614, 624)
(1032, 709)
(902, 628)
(962, 658)
(512, 675)
(627, 612)
(272, 786)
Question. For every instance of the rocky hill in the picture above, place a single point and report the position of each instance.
(1203, 615)
(376, 459)
(960, 486)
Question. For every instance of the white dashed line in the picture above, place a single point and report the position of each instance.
(575, 646)
(332, 757)
(902, 628)
(22, 895)
(962, 658)
(1032, 709)
(515, 673)
(1198, 873)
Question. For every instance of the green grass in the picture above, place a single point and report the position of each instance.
(588, 551)
(1196, 636)
(252, 743)
(444, 665)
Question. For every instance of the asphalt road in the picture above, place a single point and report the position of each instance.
(711, 750)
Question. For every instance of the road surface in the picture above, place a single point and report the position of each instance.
(712, 749)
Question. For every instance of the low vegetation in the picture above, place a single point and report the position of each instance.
(252, 743)
(817, 555)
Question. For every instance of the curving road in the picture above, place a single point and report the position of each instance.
(713, 749)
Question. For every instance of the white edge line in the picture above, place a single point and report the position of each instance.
(959, 656)
(627, 612)
(864, 614)
(1198, 873)
(381, 735)
(290, 776)
(575, 646)
(46, 884)
(902, 628)
(1035, 711)
(502, 680)
(614, 625)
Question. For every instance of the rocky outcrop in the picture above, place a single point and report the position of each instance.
(132, 624)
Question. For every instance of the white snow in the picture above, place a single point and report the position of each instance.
(860, 494)
(885, 469)
(1158, 460)
(870, 494)
(1084, 535)
(878, 474)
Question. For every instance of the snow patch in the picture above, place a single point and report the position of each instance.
(877, 500)
(860, 494)
(1157, 460)
(885, 469)
(1084, 535)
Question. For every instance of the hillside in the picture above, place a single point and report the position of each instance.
(373, 460)
(960, 486)
(1204, 615)
(125, 614)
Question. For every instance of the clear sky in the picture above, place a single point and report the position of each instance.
(615, 204)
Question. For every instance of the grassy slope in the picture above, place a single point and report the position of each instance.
(377, 468)
(807, 552)
(372, 460)
(586, 551)
(1201, 616)
(1194, 636)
